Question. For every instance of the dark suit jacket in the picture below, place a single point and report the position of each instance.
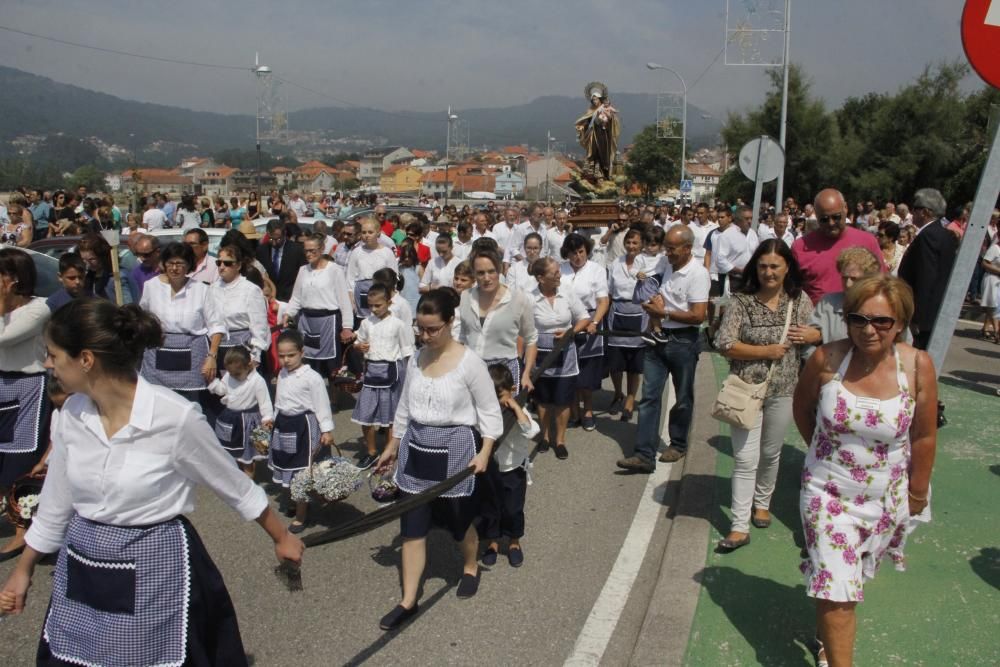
(926, 267)
(292, 258)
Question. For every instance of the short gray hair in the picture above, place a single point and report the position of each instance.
(930, 199)
(684, 232)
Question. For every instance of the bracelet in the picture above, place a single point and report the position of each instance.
(917, 498)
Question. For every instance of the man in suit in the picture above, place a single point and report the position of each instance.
(281, 257)
(928, 261)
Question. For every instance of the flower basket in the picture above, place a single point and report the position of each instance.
(21, 502)
(261, 438)
(327, 481)
(382, 487)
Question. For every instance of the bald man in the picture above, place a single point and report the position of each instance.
(816, 252)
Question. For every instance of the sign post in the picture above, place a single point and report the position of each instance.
(114, 238)
(980, 35)
(761, 160)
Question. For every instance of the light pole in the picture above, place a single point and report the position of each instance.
(263, 73)
(447, 153)
(548, 160)
(779, 191)
(684, 113)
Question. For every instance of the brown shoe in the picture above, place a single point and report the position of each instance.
(671, 454)
(636, 464)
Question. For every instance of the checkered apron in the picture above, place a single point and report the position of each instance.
(432, 454)
(236, 338)
(23, 411)
(233, 428)
(515, 370)
(361, 309)
(626, 316)
(319, 332)
(294, 442)
(587, 346)
(177, 363)
(376, 405)
(120, 595)
(565, 364)
(646, 289)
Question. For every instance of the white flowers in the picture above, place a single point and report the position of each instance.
(333, 479)
(26, 505)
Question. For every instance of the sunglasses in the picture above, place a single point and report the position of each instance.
(879, 323)
(836, 217)
(225, 262)
(145, 255)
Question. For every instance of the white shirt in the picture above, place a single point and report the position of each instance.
(400, 307)
(732, 248)
(515, 245)
(554, 239)
(144, 474)
(22, 345)
(622, 278)
(685, 286)
(589, 284)
(322, 289)
(444, 401)
(429, 241)
(193, 310)
(461, 249)
(502, 233)
(440, 273)
(187, 219)
(244, 395)
(303, 390)
(560, 315)
(496, 336)
(244, 307)
(387, 338)
(700, 232)
(207, 271)
(298, 204)
(519, 278)
(364, 262)
(154, 218)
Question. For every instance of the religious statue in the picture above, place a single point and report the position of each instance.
(597, 131)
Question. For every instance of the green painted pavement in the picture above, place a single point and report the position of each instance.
(944, 610)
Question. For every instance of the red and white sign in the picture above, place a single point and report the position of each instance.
(981, 38)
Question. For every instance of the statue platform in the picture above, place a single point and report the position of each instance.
(596, 213)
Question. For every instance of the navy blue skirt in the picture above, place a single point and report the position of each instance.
(559, 391)
(625, 359)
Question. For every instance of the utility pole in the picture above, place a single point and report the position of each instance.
(447, 153)
(779, 192)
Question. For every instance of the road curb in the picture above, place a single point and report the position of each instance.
(667, 624)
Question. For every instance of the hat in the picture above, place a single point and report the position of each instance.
(248, 230)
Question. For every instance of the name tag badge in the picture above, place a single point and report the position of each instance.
(868, 403)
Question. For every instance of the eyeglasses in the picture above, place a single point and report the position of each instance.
(177, 265)
(836, 217)
(225, 262)
(145, 255)
(430, 331)
(879, 323)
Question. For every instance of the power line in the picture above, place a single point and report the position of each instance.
(705, 71)
(124, 53)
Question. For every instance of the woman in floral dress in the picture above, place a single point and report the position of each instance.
(868, 406)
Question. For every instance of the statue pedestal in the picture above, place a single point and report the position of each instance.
(597, 213)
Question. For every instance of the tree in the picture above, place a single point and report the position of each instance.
(87, 175)
(653, 162)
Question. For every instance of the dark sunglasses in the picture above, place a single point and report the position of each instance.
(880, 323)
(836, 217)
(225, 262)
(145, 255)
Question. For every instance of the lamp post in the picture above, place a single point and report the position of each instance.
(780, 190)
(549, 139)
(684, 113)
(263, 73)
(447, 153)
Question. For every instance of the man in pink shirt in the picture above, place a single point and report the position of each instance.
(817, 251)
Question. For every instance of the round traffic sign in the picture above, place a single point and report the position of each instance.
(981, 38)
(762, 157)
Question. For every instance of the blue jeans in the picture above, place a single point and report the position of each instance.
(678, 358)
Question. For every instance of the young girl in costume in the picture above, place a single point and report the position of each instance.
(247, 405)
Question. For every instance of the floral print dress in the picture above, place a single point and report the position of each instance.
(853, 501)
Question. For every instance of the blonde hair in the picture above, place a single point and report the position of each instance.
(863, 258)
(896, 292)
(370, 221)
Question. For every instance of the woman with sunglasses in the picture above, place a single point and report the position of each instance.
(867, 406)
(244, 309)
(756, 336)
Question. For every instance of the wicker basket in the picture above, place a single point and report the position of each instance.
(25, 486)
(382, 487)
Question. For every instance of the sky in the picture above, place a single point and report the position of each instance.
(427, 54)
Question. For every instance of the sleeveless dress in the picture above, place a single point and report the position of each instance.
(853, 501)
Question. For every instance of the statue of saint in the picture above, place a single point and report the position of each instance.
(597, 131)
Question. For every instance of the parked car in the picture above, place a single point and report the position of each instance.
(53, 248)
(389, 210)
(46, 269)
(304, 223)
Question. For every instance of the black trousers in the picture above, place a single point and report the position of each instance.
(502, 509)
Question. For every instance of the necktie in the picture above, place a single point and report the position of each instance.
(276, 260)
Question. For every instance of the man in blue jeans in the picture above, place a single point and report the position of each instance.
(681, 304)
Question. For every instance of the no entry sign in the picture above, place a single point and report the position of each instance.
(981, 38)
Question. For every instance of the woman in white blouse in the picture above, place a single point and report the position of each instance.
(494, 317)
(589, 282)
(625, 352)
(243, 307)
(440, 271)
(365, 259)
(447, 420)
(24, 423)
(126, 458)
(321, 299)
(192, 323)
(558, 313)
(519, 274)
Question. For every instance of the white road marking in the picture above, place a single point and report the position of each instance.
(600, 626)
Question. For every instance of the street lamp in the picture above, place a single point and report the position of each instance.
(263, 74)
(548, 160)
(684, 113)
(447, 153)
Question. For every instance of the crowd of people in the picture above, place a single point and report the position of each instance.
(443, 319)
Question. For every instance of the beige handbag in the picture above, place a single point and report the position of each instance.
(739, 403)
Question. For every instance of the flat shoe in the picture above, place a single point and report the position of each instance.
(760, 523)
(468, 586)
(295, 527)
(727, 545)
(490, 557)
(616, 405)
(626, 415)
(13, 553)
(543, 446)
(561, 452)
(515, 557)
(398, 616)
(671, 455)
(589, 423)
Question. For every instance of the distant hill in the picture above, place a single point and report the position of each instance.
(38, 105)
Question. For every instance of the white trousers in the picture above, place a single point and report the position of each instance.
(756, 454)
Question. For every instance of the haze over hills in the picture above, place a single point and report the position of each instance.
(35, 105)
